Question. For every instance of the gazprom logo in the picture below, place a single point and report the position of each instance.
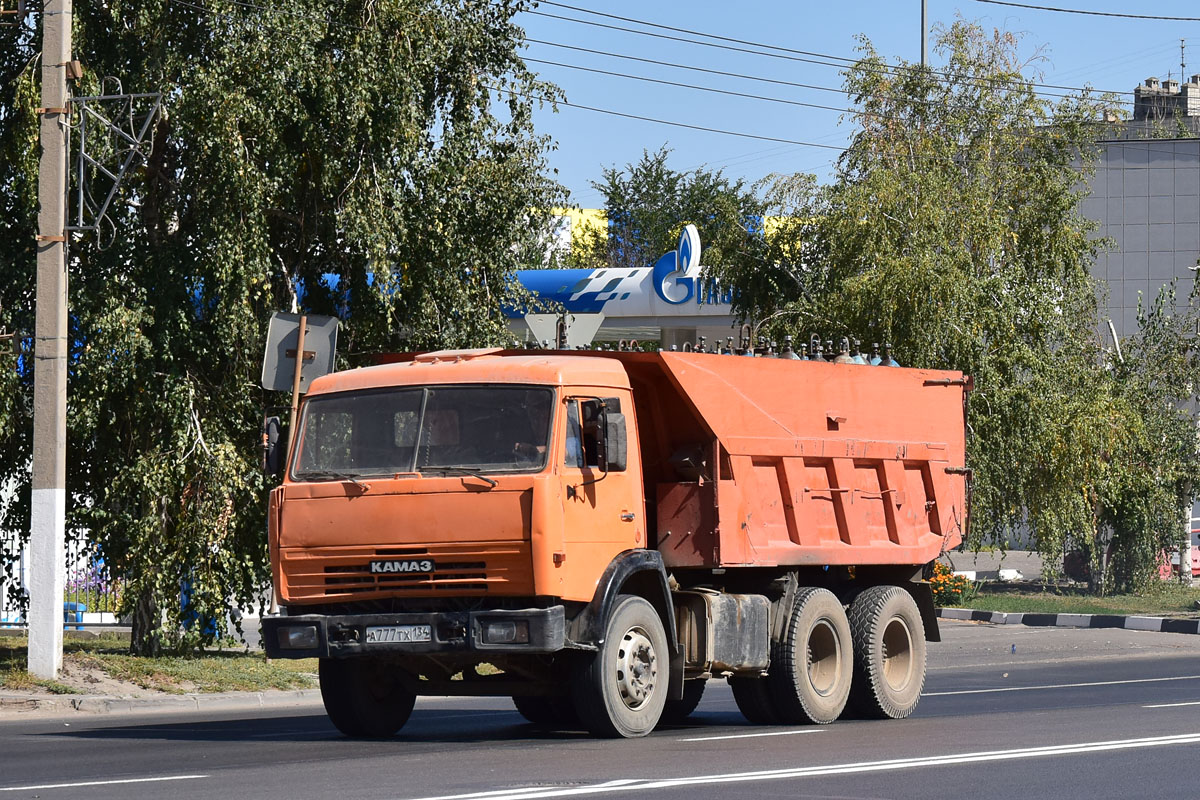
(675, 273)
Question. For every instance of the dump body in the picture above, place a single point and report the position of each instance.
(807, 462)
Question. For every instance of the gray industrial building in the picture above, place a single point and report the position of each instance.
(1146, 196)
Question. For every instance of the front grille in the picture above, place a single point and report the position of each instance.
(342, 572)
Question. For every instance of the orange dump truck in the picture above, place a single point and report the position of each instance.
(611, 530)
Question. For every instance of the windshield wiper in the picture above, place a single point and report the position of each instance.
(330, 475)
(474, 473)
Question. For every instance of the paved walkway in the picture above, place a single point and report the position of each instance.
(1015, 565)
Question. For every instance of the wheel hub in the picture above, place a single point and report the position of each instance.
(898, 659)
(824, 657)
(637, 668)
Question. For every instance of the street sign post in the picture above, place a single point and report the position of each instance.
(300, 348)
(283, 341)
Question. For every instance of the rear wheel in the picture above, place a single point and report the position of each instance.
(364, 697)
(620, 691)
(889, 652)
(676, 711)
(546, 710)
(812, 666)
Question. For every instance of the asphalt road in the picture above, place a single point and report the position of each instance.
(1008, 712)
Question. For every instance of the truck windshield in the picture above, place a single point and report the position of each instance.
(424, 429)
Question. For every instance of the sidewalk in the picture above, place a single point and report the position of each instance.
(1015, 565)
(13, 704)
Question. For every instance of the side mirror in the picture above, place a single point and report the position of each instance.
(604, 426)
(615, 445)
(272, 449)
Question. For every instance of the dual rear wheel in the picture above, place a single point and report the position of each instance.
(871, 660)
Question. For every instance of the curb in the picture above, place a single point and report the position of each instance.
(1132, 623)
(107, 704)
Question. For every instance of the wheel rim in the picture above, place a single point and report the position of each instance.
(637, 668)
(824, 658)
(897, 654)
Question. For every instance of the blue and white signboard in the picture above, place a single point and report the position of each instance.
(669, 294)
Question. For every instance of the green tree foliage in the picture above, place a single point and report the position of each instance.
(376, 155)
(952, 231)
(1153, 384)
(648, 203)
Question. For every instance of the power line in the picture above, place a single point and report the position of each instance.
(685, 30)
(708, 70)
(668, 122)
(703, 128)
(693, 86)
(1080, 11)
(723, 73)
(787, 53)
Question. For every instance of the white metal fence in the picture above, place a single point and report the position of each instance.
(91, 598)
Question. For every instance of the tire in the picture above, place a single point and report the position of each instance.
(812, 668)
(546, 710)
(889, 653)
(677, 711)
(620, 691)
(364, 697)
(753, 700)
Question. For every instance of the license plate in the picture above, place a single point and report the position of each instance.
(389, 634)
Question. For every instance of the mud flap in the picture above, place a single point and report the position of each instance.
(923, 595)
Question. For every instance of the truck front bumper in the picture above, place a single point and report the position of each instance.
(529, 630)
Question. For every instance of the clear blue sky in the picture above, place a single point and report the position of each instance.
(1107, 53)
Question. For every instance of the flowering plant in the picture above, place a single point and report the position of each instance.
(948, 588)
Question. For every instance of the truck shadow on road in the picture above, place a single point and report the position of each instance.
(434, 726)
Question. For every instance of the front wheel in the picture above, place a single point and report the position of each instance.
(364, 696)
(620, 691)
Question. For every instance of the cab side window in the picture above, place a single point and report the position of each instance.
(592, 432)
(574, 454)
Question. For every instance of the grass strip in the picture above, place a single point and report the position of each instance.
(1167, 600)
(218, 671)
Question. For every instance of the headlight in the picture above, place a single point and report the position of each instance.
(506, 631)
(298, 637)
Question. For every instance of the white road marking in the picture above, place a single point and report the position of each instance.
(1174, 705)
(529, 792)
(100, 783)
(1060, 686)
(1086, 748)
(751, 735)
(538, 791)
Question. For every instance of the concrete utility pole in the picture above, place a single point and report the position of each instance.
(924, 33)
(48, 520)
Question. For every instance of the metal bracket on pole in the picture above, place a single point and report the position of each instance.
(122, 142)
(17, 14)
